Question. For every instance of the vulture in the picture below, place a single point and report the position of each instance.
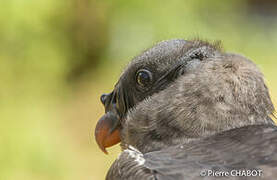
(186, 109)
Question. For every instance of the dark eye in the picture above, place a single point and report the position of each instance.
(144, 77)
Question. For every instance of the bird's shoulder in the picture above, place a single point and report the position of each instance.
(248, 148)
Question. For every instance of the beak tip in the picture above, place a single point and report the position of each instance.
(103, 149)
(104, 134)
(100, 142)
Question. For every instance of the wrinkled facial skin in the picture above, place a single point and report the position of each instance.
(165, 62)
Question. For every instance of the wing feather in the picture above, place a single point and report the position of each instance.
(247, 148)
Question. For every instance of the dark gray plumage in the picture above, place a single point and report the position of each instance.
(246, 148)
(193, 107)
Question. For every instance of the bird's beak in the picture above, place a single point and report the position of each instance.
(107, 131)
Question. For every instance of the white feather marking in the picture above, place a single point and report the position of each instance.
(136, 154)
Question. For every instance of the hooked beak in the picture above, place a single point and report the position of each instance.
(107, 131)
(107, 128)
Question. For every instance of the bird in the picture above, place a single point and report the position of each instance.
(186, 109)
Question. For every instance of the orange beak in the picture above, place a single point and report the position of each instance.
(107, 131)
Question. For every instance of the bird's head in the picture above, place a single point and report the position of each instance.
(178, 90)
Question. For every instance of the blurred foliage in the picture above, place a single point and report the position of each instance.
(57, 57)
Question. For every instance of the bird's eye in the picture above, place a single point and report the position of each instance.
(143, 77)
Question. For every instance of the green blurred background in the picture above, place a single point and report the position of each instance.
(58, 57)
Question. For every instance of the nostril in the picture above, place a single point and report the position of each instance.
(103, 98)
